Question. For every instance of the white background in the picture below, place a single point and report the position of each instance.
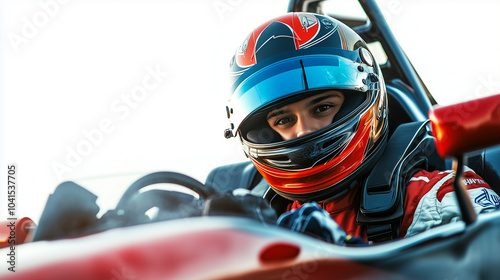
(68, 66)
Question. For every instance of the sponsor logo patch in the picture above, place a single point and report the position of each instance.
(486, 199)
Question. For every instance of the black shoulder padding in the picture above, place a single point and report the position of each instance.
(230, 177)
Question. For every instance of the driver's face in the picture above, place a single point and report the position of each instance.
(307, 115)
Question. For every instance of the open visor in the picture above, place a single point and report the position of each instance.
(296, 75)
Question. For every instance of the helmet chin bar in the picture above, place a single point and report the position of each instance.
(340, 188)
(304, 152)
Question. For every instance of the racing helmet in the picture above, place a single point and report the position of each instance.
(296, 56)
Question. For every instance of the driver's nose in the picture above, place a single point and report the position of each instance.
(304, 126)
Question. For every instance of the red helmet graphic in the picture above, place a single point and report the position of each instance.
(293, 57)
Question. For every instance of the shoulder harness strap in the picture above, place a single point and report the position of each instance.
(410, 148)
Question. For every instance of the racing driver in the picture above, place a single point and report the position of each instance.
(309, 104)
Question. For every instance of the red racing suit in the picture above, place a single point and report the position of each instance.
(429, 201)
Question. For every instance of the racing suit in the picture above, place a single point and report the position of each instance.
(429, 201)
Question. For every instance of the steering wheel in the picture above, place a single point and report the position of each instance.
(134, 203)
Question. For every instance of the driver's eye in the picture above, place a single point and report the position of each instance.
(283, 121)
(322, 108)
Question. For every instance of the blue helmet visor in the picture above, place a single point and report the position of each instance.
(296, 75)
